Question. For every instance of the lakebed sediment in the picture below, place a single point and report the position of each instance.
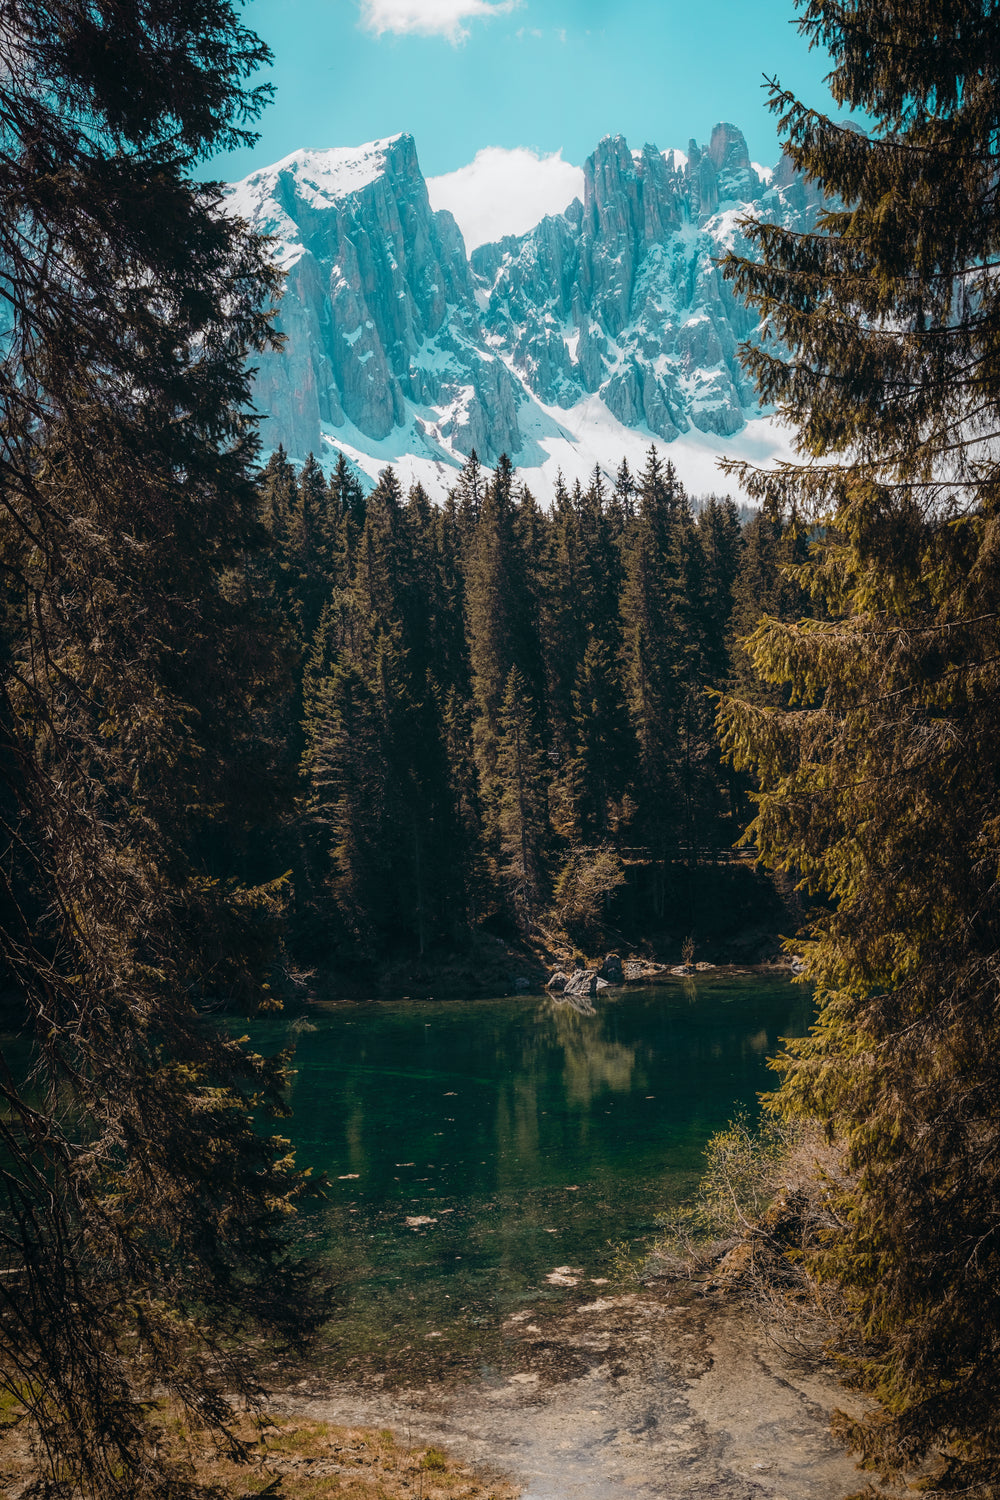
(655, 1393)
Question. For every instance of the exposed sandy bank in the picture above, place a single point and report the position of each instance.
(648, 1394)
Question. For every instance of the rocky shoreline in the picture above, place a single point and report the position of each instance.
(490, 966)
(614, 971)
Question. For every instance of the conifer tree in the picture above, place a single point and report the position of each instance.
(625, 490)
(468, 493)
(600, 559)
(420, 594)
(879, 785)
(302, 564)
(347, 499)
(592, 732)
(383, 827)
(564, 617)
(529, 582)
(142, 1207)
(491, 612)
(522, 814)
(451, 665)
(602, 763)
(706, 557)
(653, 645)
(360, 792)
(279, 496)
(382, 556)
(773, 553)
(720, 538)
(313, 546)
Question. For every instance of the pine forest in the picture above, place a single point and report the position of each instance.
(492, 713)
(270, 733)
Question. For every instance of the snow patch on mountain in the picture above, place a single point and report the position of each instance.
(321, 179)
(568, 442)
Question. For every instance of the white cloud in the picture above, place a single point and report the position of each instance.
(505, 192)
(447, 18)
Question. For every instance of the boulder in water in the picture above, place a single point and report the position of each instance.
(585, 982)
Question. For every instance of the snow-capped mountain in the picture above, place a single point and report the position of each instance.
(604, 327)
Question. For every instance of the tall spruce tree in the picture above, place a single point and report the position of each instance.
(382, 823)
(603, 754)
(361, 792)
(141, 1206)
(880, 784)
(654, 645)
(563, 626)
(314, 545)
(722, 546)
(491, 608)
(596, 731)
(468, 493)
(347, 499)
(522, 811)
(625, 490)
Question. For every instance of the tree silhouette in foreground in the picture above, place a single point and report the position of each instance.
(142, 1210)
(880, 779)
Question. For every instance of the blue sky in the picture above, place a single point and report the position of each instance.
(550, 75)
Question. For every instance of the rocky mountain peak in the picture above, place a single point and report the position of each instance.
(728, 149)
(610, 190)
(629, 196)
(397, 342)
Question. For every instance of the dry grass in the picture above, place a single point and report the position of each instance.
(762, 1207)
(299, 1459)
(314, 1461)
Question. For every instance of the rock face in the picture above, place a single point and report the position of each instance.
(622, 297)
(396, 342)
(379, 311)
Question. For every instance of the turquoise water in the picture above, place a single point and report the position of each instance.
(531, 1136)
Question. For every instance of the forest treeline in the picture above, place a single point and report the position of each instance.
(431, 718)
(490, 708)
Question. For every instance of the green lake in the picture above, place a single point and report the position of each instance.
(527, 1135)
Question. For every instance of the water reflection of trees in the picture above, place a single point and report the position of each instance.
(512, 1107)
(592, 1064)
(582, 1065)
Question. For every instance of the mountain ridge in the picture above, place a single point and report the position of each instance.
(601, 329)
